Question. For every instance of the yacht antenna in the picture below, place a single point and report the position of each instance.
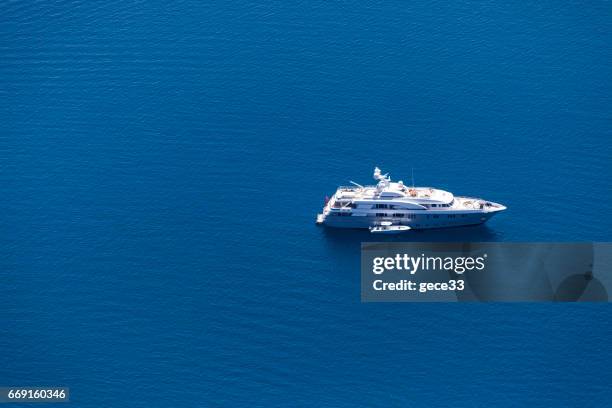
(356, 184)
(412, 170)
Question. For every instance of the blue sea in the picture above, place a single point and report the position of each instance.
(162, 163)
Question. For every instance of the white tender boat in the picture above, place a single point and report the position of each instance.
(401, 205)
(387, 227)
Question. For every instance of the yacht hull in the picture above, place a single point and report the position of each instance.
(421, 221)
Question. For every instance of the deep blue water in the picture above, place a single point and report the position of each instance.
(161, 165)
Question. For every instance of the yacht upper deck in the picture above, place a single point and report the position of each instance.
(395, 192)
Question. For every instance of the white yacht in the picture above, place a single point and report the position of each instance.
(390, 204)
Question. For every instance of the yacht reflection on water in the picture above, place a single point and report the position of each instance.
(475, 233)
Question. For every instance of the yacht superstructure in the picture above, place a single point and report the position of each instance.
(387, 202)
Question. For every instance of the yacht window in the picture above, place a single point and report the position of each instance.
(381, 214)
(400, 215)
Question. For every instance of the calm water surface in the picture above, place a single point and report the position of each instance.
(162, 163)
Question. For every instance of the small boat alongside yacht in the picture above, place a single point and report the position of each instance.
(387, 227)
